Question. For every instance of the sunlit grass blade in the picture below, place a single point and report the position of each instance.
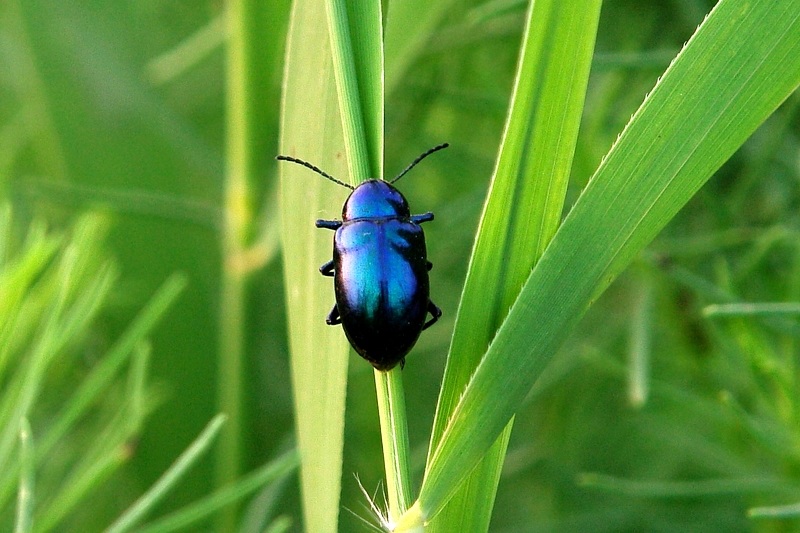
(194, 49)
(16, 276)
(640, 344)
(521, 215)
(311, 129)
(791, 510)
(25, 494)
(761, 309)
(134, 514)
(183, 518)
(743, 61)
(67, 312)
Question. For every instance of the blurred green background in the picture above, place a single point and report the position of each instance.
(119, 107)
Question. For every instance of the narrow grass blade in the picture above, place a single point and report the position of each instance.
(761, 309)
(520, 217)
(789, 511)
(279, 525)
(148, 500)
(311, 129)
(356, 35)
(103, 374)
(25, 499)
(357, 48)
(640, 350)
(183, 518)
(685, 489)
(743, 61)
(194, 49)
(96, 466)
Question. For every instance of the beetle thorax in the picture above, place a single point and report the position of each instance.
(375, 199)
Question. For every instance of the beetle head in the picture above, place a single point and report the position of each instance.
(375, 198)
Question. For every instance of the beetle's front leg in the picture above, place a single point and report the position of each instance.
(327, 269)
(435, 313)
(329, 224)
(334, 317)
(425, 217)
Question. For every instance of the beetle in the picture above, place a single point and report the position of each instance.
(379, 269)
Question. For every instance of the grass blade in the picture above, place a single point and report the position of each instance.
(24, 520)
(357, 50)
(520, 217)
(743, 61)
(311, 128)
(145, 503)
(272, 471)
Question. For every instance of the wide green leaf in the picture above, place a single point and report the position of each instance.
(311, 129)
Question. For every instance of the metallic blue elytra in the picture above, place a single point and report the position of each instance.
(379, 269)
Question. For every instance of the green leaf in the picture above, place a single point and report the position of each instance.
(743, 61)
(311, 129)
(521, 215)
(356, 34)
(355, 57)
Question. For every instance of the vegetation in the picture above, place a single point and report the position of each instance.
(162, 341)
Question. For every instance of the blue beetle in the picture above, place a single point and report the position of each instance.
(379, 269)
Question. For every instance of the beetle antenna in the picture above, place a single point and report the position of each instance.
(315, 169)
(420, 158)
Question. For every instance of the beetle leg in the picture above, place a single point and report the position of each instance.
(329, 224)
(428, 265)
(425, 217)
(435, 313)
(333, 317)
(327, 269)
(402, 363)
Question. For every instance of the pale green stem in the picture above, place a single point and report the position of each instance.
(236, 220)
(394, 437)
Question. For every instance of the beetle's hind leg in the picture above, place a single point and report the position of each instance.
(333, 317)
(435, 314)
(327, 269)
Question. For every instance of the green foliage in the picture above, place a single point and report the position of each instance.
(699, 113)
(671, 405)
(70, 424)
